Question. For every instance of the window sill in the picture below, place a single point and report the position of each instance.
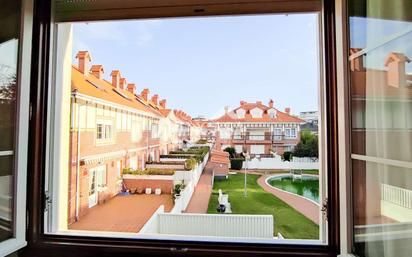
(11, 245)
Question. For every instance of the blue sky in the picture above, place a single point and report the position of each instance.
(201, 65)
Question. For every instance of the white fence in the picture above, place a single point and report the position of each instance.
(277, 163)
(217, 225)
(304, 159)
(191, 178)
(396, 195)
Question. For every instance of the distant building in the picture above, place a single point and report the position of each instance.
(311, 119)
(112, 128)
(258, 128)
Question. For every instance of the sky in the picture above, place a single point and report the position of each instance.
(201, 65)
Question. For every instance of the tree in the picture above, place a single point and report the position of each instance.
(231, 151)
(308, 145)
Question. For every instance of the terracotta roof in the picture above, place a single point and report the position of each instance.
(279, 117)
(219, 156)
(90, 85)
(165, 112)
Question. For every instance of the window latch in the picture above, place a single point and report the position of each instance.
(47, 201)
(324, 209)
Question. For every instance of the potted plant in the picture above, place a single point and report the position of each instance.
(176, 191)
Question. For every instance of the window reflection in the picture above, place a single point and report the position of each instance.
(381, 102)
(9, 18)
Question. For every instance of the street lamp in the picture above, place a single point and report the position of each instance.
(247, 156)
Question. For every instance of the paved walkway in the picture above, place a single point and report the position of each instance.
(123, 213)
(302, 205)
(200, 198)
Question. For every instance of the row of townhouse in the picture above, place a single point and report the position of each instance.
(258, 129)
(112, 128)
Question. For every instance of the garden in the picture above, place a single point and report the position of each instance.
(287, 221)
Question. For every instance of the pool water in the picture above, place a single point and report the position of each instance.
(307, 187)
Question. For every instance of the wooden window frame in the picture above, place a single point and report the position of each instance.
(41, 244)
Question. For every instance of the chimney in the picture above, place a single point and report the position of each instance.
(226, 109)
(84, 61)
(97, 71)
(287, 110)
(131, 87)
(356, 64)
(242, 103)
(259, 102)
(162, 103)
(115, 78)
(145, 94)
(123, 83)
(396, 74)
(155, 98)
(270, 103)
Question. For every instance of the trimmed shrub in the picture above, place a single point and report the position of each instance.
(150, 171)
(236, 163)
(190, 164)
(201, 141)
(231, 151)
(287, 156)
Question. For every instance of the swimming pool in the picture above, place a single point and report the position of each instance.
(307, 187)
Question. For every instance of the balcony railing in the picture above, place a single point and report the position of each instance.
(266, 137)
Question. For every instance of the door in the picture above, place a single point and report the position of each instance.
(92, 188)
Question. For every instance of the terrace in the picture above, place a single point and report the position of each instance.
(126, 213)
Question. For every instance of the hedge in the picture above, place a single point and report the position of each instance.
(236, 163)
(150, 171)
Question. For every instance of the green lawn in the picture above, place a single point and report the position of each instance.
(311, 172)
(289, 222)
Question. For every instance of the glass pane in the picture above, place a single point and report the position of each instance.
(9, 35)
(225, 88)
(381, 103)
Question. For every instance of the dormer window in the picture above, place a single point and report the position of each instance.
(256, 112)
(240, 113)
(272, 113)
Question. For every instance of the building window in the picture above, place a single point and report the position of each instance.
(104, 131)
(155, 130)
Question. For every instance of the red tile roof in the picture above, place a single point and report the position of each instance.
(90, 85)
(279, 117)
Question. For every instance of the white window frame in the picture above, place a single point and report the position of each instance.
(105, 123)
(23, 74)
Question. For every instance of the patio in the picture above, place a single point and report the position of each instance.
(123, 213)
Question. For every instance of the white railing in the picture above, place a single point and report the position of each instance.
(396, 195)
(219, 225)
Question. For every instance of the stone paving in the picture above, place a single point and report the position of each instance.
(200, 198)
(123, 213)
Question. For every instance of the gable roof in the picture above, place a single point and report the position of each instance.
(280, 116)
(91, 86)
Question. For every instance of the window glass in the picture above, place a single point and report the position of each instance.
(9, 44)
(381, 95)
(201, 160)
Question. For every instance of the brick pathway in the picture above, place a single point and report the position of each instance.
(306, 207)
(123, 213)
(200, 198)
